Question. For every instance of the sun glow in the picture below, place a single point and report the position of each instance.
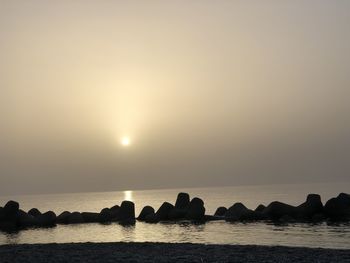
(125, 141)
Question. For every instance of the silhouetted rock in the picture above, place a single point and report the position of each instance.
(220, 211)
(90, 217)
(26, 220)
(276, 210)
(163, 211)
(63, 217)
(260, 208)
(152, 218)
(114, 210)
(318, 218)
(239, 212)
(126, 212)
(105, 215)
(338, 208)
(34, 212)
(308, 209)
(196, 209)
(10, 211)
(2, 214)
(75, 218)
(287, 219)
(147, 210)
(177, 213)
(47, 219)
(182, 201)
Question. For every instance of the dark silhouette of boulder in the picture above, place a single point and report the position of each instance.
(26, 220)
(196, 209)
(105, 215)
(75, 218)
(34, 212)
(10, 211)
(338, 208)
(163, 211)
(177, 213)
(63, 217)
(220, 211)
(310, 207)
(318, 218)
(90, 217)
(276, 210)
(126, 212)
(147, 210)
(182, 201)
(47, 219)
(152, 218)
(260, 208)
(114, 210)
(239, 212)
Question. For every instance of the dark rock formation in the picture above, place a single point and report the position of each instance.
(47, 219)
(63, 218)
(220, 211)
(182, 201)
(10, 211)
(126, 213)
(260, 208)
(177, 213)
(338, 208)
(26, 220)
(90, 217)
(75, 218)
(196, 209)
(152, 218)
(114, 210)
(308, 209)
(276, 210)
(147, 210)
(238, 212)
(34, 212)
(163, 211)
(105, 215)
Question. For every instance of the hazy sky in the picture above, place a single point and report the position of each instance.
(208, 92)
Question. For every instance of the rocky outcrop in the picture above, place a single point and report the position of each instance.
(182, 201)
(162, 213)
(147, 210)
(75, 218)
(338, 208)
(220, 211)
(309, 208)
(276, 210)
(196, 209)
(34, 212)
(47, 219)
(239, 212)
(63, 217)
(90, 217)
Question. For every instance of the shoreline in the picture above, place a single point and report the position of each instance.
(166, 252)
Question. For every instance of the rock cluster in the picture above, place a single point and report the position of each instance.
(184, 209)
(12, 217)
(312, 210)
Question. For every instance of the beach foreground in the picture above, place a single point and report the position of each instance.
(166, 252)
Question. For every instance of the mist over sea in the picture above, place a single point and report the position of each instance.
(216, 232)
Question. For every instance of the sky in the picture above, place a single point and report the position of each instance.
(207, 93)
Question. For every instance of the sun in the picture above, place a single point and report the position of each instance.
(125, 141)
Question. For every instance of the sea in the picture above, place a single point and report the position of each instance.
(323, 235)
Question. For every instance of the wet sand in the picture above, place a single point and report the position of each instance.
(166, 252)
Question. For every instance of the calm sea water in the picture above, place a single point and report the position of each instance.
(218, 232)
